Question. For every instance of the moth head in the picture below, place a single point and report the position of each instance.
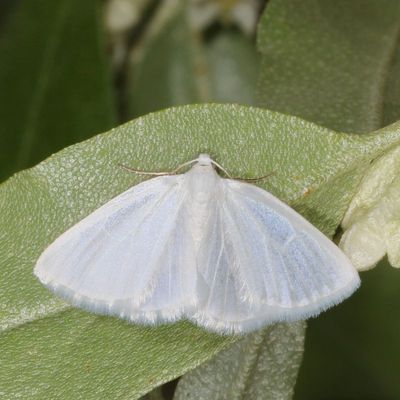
(204, 160)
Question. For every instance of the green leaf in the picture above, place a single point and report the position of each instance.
(391, 101)
(176, 64)
(155, 394)
(337, 63)
(5, 8)
(261, 366)
(372, 221)
(232, 65)
(165, 69)
(44, 340)
(352, 350)
(54, 83)
(329, 62)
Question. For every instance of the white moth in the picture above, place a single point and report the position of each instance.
(222, 253)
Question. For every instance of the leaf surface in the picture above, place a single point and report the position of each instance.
(372, 222)
(43, 339)
(337, 63)
(262, 366)
(331, 62)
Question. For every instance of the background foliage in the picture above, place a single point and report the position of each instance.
(68, 71)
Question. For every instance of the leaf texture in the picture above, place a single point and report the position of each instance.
(42, 334)
(261, 366)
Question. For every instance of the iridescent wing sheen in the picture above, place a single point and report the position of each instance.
(132, 257)
(261, 262)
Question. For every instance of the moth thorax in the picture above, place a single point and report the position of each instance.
(203, 182)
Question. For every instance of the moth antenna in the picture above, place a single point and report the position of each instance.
(140, 172)
(156, 173)
(257, 179)
(222, 169)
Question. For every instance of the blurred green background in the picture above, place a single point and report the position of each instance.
(70, 69)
